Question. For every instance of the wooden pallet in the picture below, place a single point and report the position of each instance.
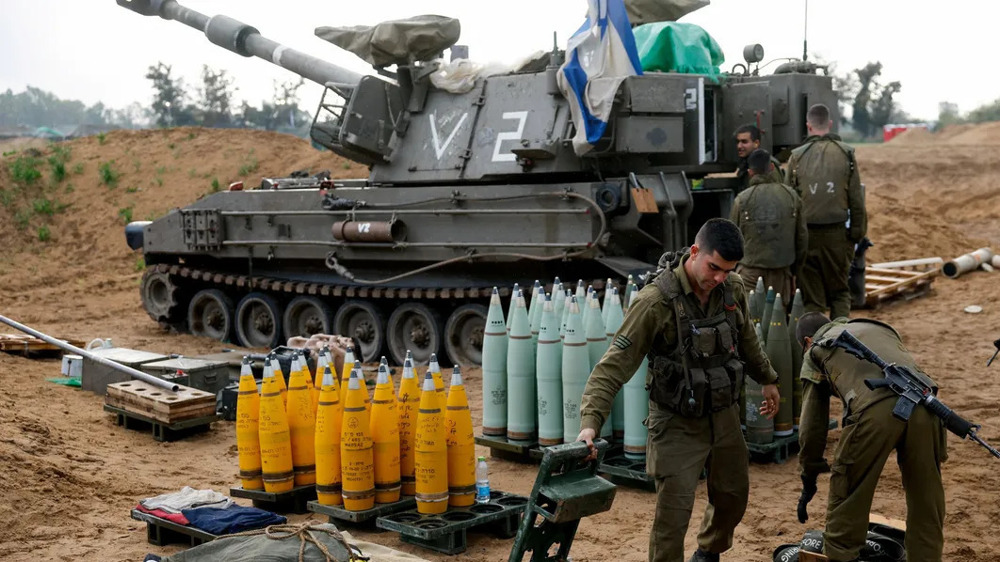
(882, 284)
(23, 344)
(161, 431)
(162, 405)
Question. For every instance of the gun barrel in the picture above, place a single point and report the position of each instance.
(977, 439)
(245, 40)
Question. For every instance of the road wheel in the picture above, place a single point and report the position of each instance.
(417, 328)
(210, 314)
(258, 321)
(160, 297)
(305, 316)
(463, 335)
(365, 324)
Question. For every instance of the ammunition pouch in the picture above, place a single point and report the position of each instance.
(697, 391)
(673, 389)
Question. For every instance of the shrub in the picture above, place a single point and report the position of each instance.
(109, 176)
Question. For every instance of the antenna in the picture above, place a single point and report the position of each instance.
(805, 32)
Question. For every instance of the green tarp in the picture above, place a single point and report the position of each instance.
(670, 46)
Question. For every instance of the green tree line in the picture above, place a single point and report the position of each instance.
(211, 104)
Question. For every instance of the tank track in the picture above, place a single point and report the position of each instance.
(432, 317)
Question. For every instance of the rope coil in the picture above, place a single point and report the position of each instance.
(305, 533)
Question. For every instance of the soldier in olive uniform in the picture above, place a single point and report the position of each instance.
(825, 175)
(870, 434)
(748, 140)
(770, 216)
(692, 320)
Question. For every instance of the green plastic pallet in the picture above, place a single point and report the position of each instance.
(447, 532)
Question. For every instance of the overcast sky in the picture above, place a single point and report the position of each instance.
(94, 50)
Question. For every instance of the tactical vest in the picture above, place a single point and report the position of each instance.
(767, 219)
(847, 373)
(703, 373)
(817, 171)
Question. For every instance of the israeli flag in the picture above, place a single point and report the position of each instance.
(599, 56)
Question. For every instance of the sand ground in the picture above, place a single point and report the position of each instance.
(68, 476)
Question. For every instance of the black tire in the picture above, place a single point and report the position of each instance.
(417, 328)
(210, 315)
(463, 335)
(305, 316)
(364, 323)
(258, 321)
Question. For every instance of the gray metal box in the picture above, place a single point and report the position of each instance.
(96, 377)
(234, 359)
(210, 376)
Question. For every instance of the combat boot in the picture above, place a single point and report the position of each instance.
(702, 556)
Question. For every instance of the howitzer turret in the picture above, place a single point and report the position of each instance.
(469, 188)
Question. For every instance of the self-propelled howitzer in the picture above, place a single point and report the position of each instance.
(468, 189)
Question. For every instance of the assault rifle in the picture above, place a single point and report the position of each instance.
(911, 390)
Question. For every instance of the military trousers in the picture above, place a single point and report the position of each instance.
(780, 278)
(867, 440)
(678, 448)
(823, 278)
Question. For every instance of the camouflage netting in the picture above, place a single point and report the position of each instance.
(419, 38)
(282, 543)
(648, 11)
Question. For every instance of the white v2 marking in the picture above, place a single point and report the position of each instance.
(438, 147)
(521, 116)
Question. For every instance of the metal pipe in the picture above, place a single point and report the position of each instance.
(578, 211)
(968, 262)
(908, 263)
(96, 358)
(376, 231)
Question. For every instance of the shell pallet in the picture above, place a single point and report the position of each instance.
(161, 532)
(446, 532)
(626, 471)
(337, 513)
(292, 501)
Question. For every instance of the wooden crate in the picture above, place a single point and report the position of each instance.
(882, 284)
(158, 403)
(23, 344)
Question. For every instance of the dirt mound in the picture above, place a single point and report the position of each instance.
(983, 133)
(52, 221)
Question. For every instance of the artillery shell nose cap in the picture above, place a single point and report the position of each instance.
(973, 309)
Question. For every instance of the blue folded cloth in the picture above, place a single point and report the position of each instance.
(232, 519)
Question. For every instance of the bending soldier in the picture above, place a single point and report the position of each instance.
(824, 173)
(870, 434)
(770, 216)
(748, 140)
(692, 320)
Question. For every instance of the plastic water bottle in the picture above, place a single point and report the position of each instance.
(482, 481)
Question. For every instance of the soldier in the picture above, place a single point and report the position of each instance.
(748, 140)
(825, 175)
(692, 319)
(870, 434)
(770, 216)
